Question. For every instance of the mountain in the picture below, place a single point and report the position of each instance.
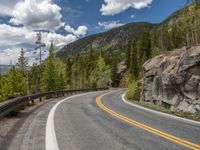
(167, 35)
(112, 40)
(4, 68)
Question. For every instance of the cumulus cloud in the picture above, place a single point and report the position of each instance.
(132, 16)
(81, 30)
(8, 56)
(58, 39)
(37, 14)
(112, 7)
(14, 35)
(13, 38)
(29, 16)
(110, 24)
(7, 6)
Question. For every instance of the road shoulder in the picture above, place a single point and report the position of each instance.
(26, 130)
(159, 113)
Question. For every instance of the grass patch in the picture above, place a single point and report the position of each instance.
(182, 114)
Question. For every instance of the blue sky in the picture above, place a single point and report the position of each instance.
(65, 21)
(88, 12)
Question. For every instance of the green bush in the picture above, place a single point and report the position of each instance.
(133, 91)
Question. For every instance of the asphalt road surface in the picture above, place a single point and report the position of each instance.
(90, 122)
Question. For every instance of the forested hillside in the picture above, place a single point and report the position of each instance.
(113, 40)
(178, 30)
(94, 61)
(135, 43)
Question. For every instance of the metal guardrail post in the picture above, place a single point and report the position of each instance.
(40, 99)
(33, 102)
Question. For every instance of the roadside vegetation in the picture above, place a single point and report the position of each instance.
(180, 29)
(96, 67)
(175, 32)
(133, 90)
(88, 70)
(182, 114)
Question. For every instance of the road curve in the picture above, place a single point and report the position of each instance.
(81, 124)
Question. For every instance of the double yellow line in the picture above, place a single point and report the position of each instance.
(160, 133)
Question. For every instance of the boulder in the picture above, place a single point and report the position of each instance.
(173, 78)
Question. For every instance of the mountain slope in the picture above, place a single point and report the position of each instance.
(4, 69)
(167, 35)
(112, 40)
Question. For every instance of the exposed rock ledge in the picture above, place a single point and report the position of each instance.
(173, 80)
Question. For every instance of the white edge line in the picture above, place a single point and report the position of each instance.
(51, 141)
(160, 113)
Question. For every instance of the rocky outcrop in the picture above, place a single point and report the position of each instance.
(173, 80)
(121, 70)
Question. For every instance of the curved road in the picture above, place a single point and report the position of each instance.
(90, 122)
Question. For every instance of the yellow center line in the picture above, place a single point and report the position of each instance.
(145, 127)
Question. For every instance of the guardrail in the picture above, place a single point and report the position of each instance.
(12, 104)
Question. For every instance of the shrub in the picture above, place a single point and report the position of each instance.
(133, 91)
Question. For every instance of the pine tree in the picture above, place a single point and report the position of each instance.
(144, 47)
(155, 50)
(91, 68)
(101, 65)
(60, 74)
(49, 74)
(22, 63)
(114, 75)
(128, 54)
(68, 73)
(100, 73)
(34, 71)
(134, 64)
(6, 89)
(176, 39)
(195, 16)
(16, 83)
(75, 72)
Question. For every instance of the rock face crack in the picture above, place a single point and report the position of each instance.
(173, 78)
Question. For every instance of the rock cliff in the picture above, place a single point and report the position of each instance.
(172, 80)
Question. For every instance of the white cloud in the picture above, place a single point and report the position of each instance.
(13, 38)
(132, 16)
(7, 6)
(32, 15)
(69, 29)
(37, 14)
(8, 56)
(81, 30)
(112, 7)
(14, 35)
(59, 39)
(110, 24)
